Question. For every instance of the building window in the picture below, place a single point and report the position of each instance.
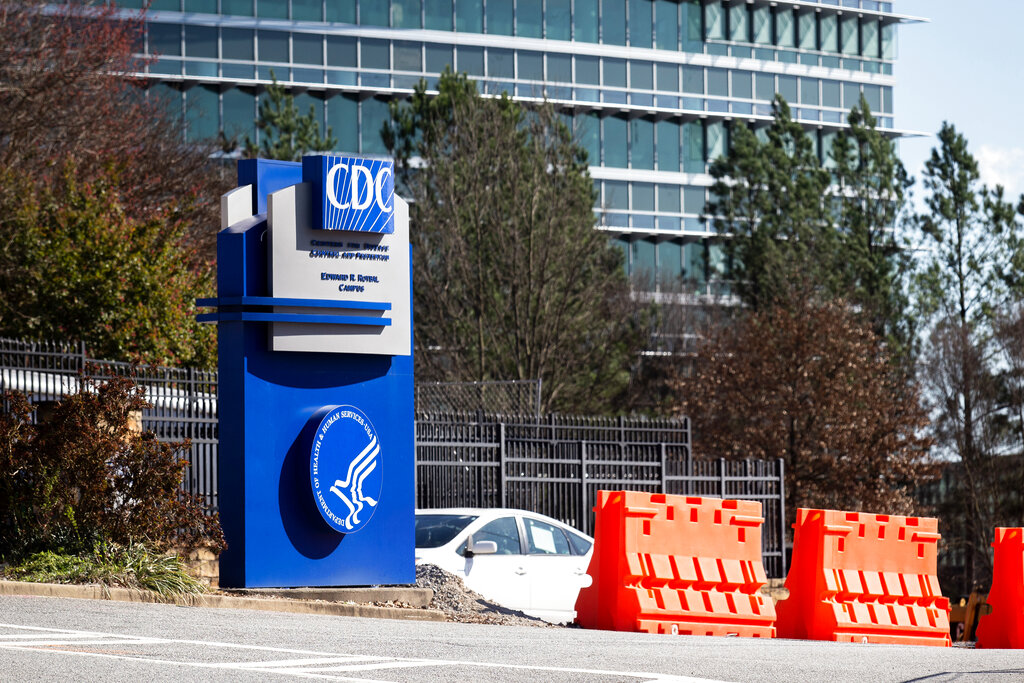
(714, 21)
(341, 11)
(642, 145)
(640, 23)
(717, 140)
(668, 77)
(718, 82)
(742, 85)
(374, 113)
(307, 10)
(614, 73)
(739, 23)
(785, 28)
(373, 13)
(164, 39)
(238, 8)
(239, 115)
(668, 147)
(616, 147)
(469, 16)
(670, 263)
(809, 91)
(588, 132)
(851, 95)
(613, 22)
(762, 25)
(437, 15)
(690, 22)
(830, 94)
(764, 87)
(666, 25)
(438, 57)
(405, 13)
(500, 63)
(529, 18)
(585, 21)
(343, 119)
(408, 56)
(889, 41)
(273, 46)
(588, 70)
(307, 48)
(616, 195)
(499, 18)
(788, 89)
(560, 68)
(558, 20)
(341, 51)
(693, 147)
(202, 115)
(869, 39)
(848, 35)
(272, 9)
(807, 26)
(471, 60)
(531, 66)
(237, 43)
(376, 54)
(201, 41)
(828, 34)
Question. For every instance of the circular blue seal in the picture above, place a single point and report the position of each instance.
(346, 468)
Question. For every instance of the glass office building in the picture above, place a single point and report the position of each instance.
(652, 86)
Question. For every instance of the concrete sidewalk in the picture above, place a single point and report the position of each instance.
(307, 601)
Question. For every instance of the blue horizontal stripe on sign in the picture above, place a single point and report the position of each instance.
(294, 303)
(252, 316)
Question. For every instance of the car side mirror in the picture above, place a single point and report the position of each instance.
(480, 547)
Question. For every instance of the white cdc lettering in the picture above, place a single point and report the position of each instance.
(354, 202)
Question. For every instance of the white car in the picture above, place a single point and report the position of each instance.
(517, 559)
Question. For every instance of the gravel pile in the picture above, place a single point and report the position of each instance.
(465, 606)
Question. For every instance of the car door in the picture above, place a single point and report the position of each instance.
(501, 577)
(556, 574)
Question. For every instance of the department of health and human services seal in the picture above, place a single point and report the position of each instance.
(346, 469)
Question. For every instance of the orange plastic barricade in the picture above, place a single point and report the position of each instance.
(864, 578)
(673, 564)
(1004, 627)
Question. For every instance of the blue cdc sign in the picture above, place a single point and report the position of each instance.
(313, 307)
(358, 194)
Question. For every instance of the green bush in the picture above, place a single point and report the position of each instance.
(82, 478)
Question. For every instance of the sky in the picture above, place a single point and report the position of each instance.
(965, 66)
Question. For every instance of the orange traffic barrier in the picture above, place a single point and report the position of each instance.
(864, 578)
(1004, 626)
(673, 564)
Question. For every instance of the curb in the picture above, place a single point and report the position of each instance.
(98, 592)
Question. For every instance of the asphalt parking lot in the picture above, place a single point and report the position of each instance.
(50, 638)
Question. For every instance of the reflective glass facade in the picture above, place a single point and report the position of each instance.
(652, 87)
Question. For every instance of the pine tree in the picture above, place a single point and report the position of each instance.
(284, 133)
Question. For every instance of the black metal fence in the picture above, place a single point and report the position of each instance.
(553, 465)
(183, 400)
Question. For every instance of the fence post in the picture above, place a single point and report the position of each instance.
(664, 464)
(721, 477)
(501, 464)
(782, 513)
(584, 518)
(81, 358)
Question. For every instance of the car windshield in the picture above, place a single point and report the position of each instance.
(433, 531)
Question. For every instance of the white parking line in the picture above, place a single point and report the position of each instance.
(324, 665)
